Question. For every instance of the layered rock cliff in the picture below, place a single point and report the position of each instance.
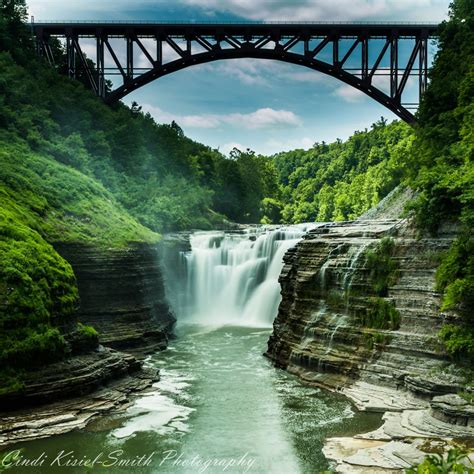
(339, 328)
(122, 295)
(321, 332)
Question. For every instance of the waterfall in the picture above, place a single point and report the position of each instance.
(232, 278)
(338, 320)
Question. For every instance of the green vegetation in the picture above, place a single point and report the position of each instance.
(455, 276)
(37, 287)
(456, 462)
(468, 396)
(87, 331)
(443, 171)
(381, 266)
(342, 180)
(61, 203)
(164, 180)
(458, 340)
(381, 314)
(373, 338)
(11, 381)
(442, 168)
(335, 298)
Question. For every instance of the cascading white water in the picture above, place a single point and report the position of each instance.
(232, 278)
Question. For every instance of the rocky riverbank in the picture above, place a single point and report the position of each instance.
(113, 392)
(323, 334)
(122, 296)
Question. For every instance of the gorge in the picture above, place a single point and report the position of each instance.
(216, 389)
(166, 306)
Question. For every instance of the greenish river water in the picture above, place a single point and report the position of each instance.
(220, 407)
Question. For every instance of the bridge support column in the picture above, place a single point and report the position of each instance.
(100, 66)
(129, 40)
(393, 66)
(423, 66)
(44, 49)
(71, 58)
(365, 58)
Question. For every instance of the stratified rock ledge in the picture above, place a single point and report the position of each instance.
(409, 431)
(404, 372)
(75, 413)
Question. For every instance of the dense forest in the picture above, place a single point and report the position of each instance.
(74, 169)
(164, 179)
(342, 180)
(443, 169)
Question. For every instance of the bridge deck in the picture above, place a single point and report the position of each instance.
(313, 29)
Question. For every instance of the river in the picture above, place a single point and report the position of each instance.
(220, 406)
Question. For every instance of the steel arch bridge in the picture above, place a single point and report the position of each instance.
(345, 51)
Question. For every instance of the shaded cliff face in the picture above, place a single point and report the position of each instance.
(122, 295)
(321, 331)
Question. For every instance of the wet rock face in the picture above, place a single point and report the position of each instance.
(122, 296)
(320, 333)
(75, 376)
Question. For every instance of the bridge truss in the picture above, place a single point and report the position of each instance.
(361, 55)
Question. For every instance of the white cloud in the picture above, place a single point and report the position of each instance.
(262, 72)
(349, 93)
(247, 71)
(343, 10)
(261, 118)
(228, 147)
(307, 76)
(265, 117)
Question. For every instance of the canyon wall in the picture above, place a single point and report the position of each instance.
(320, 332)
(122, 296)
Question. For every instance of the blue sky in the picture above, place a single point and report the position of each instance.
(267, 106)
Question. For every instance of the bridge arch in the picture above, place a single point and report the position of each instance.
(293, 43)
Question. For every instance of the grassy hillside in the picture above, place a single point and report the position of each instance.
(164, 179)
(42, 202)
(61, 203)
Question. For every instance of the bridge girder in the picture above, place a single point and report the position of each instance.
(316, 46)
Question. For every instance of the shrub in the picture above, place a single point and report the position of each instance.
(11, 381)
(459, 342)
(381, 314)
(383, 269)
(87, 331)
(456, 462)
(37, 347)
(455, 276)
(371, 339)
